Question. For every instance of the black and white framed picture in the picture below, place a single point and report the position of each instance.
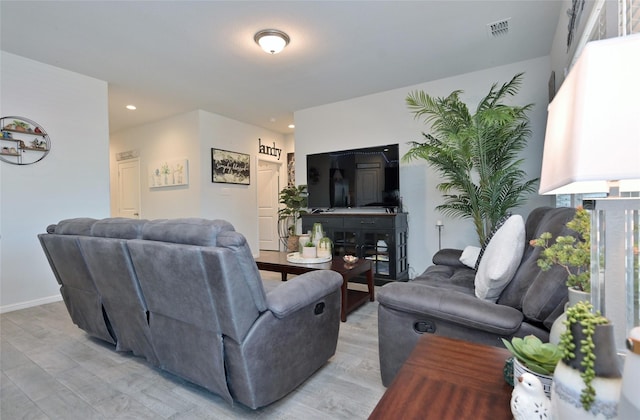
(230, 167)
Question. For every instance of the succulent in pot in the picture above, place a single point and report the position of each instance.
(531, 355)
(537, 356)
(309, 250)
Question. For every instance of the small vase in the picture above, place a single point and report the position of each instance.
(568, 384)
(325, 248)
(558, 327)
(292, 243)
(316, 233)
(303, 239)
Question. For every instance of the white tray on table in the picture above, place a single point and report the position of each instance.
(295, 257)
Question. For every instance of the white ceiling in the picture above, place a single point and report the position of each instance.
(170, 57)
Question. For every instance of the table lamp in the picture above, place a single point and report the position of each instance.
(592, 145)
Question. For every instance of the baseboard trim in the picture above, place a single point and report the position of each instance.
(29, 303)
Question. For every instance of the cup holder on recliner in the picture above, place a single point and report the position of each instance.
(422, 327)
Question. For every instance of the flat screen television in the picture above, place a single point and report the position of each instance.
(366, 177)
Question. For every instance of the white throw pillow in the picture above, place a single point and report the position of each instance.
(501, 259)
(470, 256)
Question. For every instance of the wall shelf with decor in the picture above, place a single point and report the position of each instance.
(23, 141)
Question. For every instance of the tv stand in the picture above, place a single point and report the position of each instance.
(374, 235)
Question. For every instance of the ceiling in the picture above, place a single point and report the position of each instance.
(171, 57)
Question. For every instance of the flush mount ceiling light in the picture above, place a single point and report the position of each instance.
(272, 41)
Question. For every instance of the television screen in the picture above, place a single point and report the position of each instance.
(366, 177)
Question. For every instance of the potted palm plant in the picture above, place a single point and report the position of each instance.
(476, 154)
(294, 200)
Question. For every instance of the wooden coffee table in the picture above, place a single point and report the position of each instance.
(445, 378)
(351, 299)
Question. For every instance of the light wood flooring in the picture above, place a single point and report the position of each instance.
(53, 370)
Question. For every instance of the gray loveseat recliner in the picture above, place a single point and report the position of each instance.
(442, 301)
(186, 294)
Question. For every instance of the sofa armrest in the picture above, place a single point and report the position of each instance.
(302, 291)
(448, 256)
(451, 306)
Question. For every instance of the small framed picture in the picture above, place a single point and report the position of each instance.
(169, 173)
(230, 167)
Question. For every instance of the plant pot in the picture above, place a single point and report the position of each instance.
(629, 407)
(302, 241)
(568, 384)
(309, 252)
(292, 243)
(558, 327)
(519, 369)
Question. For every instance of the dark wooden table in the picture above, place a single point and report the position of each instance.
(351, 299)
(445, 378)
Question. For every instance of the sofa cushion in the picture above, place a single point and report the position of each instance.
(470, 255)
(501, 259)
(496, 227)
(459, 279)
(189, 231)
(535, 292)
(78, 226)
(119, 228)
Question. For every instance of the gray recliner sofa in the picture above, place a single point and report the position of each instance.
(186, 295)
(442, 301)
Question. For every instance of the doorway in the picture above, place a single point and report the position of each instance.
(129, 189)
(268, 190)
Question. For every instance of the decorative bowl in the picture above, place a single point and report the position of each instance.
(350, 259)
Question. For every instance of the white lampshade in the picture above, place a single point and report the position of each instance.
(272, 41)
(593, 127)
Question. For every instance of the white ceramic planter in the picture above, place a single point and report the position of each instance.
(309, 252)
(519, 369)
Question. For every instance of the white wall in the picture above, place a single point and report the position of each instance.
(383, 118)
(562, 54)
(72, 181)
(191, 136)
(172, 138)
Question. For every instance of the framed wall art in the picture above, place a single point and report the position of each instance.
(230, 167)
(169, 173)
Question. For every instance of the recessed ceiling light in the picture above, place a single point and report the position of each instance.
(131, 107)
(291, 126)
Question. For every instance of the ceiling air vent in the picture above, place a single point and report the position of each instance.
(499, 28)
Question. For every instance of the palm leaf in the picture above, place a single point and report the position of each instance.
(477, 156)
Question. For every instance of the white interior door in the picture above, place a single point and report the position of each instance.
(268, 189)
(129, 189)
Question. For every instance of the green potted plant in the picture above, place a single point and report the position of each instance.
(533, 356)
(476, 154)
(294, 200)
(588, 350)
(573, 253)
(309, 250)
